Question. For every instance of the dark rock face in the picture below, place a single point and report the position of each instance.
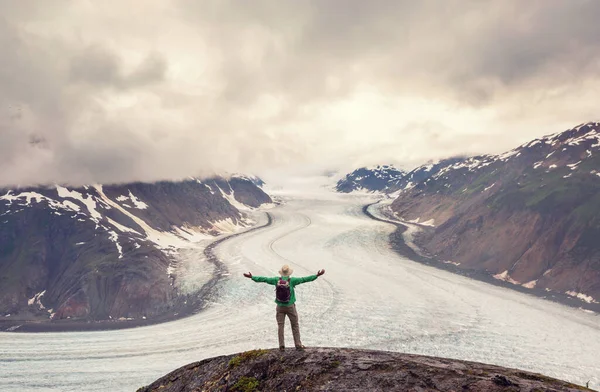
(530, 216)
(378, 179)
(103, 252)
(335, 369)
(246, 192)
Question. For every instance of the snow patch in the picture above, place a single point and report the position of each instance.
(409, 235)
(586, 310)
(508, 154)
(430, 222)
(191, 234)
(231, 199)
(38, 198)
(489, 187)
(89, 201)
(428, 167)
(37, 300)
(504, 276)
(137, 202)
(530, 285)
(170, 269)
(227, 226)
(114, 237)
(450, 262)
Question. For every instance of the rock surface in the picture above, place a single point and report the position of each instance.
(336, 369)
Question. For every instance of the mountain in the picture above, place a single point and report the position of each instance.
(339, 369)
(376, 179)
(530, 216)
(106, 252)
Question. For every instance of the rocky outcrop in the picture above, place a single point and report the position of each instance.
(104, 252)
(530, 217)
(336, 369)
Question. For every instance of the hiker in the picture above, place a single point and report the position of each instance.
(285, 298)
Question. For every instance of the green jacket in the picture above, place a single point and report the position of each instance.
(293, 282)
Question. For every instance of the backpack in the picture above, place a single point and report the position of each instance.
(283, 291)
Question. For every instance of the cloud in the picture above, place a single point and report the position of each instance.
(112, 92)
(99, 67)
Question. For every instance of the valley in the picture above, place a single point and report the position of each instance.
(370, 297)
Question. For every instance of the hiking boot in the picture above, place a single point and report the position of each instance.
(281, 348)
(300, 347)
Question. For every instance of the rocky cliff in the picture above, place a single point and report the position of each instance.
(335, 369)
(530, 217)
(104, 252)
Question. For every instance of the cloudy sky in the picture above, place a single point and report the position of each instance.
(112, 91)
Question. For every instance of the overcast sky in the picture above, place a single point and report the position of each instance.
(112, 91)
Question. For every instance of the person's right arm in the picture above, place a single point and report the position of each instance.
(264, 279)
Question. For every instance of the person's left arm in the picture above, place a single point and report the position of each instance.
(263, 279)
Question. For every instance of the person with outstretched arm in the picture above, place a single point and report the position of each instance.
(285, 298)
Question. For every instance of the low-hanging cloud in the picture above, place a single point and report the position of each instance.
(114, 92)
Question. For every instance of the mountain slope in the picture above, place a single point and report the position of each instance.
(530, 216)
(104, 252)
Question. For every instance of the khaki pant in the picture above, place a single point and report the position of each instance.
(290, 311)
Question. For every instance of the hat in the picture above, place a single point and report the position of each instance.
(285, 270)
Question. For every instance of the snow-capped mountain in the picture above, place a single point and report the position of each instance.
(101, 252)
(422, 173)
(253, 179)
(374, 179)
(530, 216)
